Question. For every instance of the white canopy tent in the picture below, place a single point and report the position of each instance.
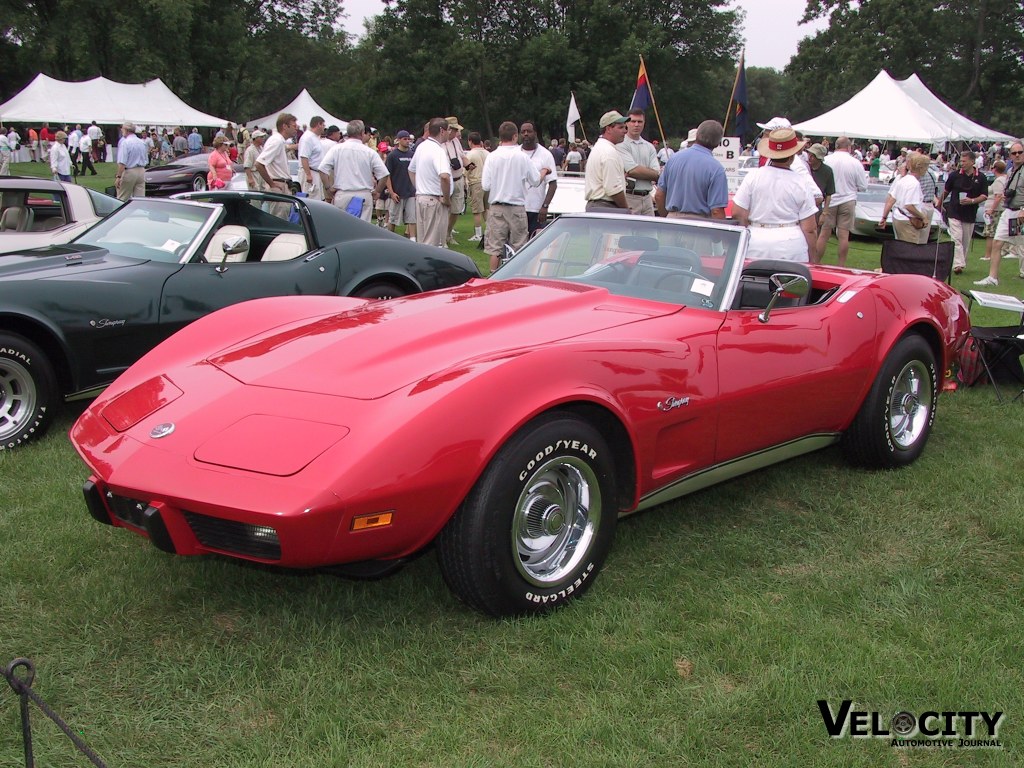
(304, 107)
(898, 110)
(60, 102)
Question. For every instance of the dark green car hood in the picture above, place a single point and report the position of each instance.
(57, 260)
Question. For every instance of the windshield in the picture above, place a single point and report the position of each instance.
(671, 260)
(159, 230)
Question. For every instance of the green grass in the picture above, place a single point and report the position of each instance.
(717, 623)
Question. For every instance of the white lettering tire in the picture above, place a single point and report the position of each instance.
(536, 528)
(894, 422)
(28, 391)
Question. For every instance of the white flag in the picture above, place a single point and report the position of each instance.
(574, 115)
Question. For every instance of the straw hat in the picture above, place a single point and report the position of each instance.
(780, 144)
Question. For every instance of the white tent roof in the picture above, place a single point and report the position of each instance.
(105, 101)
(304, 107)
(895, 110)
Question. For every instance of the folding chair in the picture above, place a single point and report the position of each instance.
(1000, 349)
(930, 259)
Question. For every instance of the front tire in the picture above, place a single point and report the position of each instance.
(536, 528)
(28, 391)
(198, 183)
(896, 418)
(380, 290)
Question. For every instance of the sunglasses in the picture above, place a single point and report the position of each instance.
(1018, 153)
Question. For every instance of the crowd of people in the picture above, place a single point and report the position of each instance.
(800, 195)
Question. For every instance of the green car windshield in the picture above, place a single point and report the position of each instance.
(157, 230)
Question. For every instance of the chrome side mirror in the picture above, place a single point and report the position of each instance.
(231, 246)
(785, 285)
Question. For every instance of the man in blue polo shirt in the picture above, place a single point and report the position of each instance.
(693, 183)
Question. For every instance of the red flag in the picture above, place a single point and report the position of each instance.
(642, 94)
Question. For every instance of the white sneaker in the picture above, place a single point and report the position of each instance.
(476, 238)
(987, 281)
(452, 241)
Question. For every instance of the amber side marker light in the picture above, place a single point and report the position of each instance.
(375, 520)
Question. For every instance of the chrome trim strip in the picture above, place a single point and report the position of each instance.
(736, 467)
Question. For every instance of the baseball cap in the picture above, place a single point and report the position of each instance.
(691, 137)
(775, 123)
(611, 118)
(818, 150)
(403, 135)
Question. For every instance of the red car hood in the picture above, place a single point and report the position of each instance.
(379, 347)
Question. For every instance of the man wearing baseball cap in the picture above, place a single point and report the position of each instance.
(605, 181)
(402, 202)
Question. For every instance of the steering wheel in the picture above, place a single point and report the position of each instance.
(678, 273)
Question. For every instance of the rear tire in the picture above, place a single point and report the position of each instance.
(895, 420)
(536, 528)
(28, 391)
(198, 183)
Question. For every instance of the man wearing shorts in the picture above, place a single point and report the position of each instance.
(839, 215)
(475, 160)
(402, 204)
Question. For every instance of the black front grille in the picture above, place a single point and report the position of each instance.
(238, 538)
(127, 510)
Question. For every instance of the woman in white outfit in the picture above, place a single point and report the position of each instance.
(776, 204)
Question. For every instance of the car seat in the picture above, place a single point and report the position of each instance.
(16, 218)
(215, 250)
(285, 246)
(755, 289)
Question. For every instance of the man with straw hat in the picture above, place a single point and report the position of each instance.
(775, 203)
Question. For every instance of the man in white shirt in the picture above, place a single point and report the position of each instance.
(431, 174)
(353, 171)
(5, 155)
(311, 154)
(95, 134)
(640, 161)
(272, 163)
(850, 179)
(604, 184)
(506, 173)
(538, 198)
(85, 151)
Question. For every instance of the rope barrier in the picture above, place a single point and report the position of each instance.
(20, 674)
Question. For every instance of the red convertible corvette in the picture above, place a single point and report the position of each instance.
(614, 364)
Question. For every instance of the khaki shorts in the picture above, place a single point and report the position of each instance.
(477, 199)
(403, 212)
(839, 216)
(458, 196)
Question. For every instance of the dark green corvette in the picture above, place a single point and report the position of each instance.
(73, 317)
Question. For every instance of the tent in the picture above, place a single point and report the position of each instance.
(898, 110)
(304, 107)
(59, 102)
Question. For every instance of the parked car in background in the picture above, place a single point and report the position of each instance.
(74, 316)
(187, 174)
(617, 362)
(37, 212)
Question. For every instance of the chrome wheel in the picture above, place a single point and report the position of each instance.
(198, 184)
(555, 520)
(18, 398)
(910, 404)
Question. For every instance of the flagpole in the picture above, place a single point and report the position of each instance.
(732, 96)
(583, 127)
(654, 103)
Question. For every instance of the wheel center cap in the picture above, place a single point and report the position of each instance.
(554, 520)
(909, 404)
